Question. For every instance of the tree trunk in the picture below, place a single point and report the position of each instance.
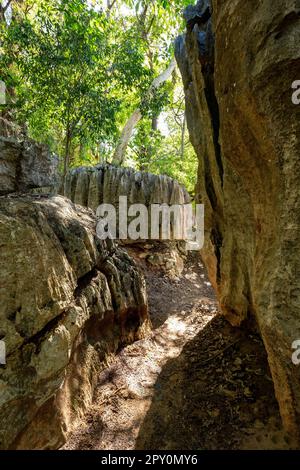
(4, 8)
(163, 77)
(110, 5)
(183, 136)
(127, 131)
(136, 116)
(154, 124)
(67, 156)
(81, 151)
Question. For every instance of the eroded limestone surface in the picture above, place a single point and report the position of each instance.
(68, 301)
(238, 60)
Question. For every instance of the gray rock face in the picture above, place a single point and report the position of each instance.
(246, 131)
(196, 14)
(68, 301)
(26, 165)
(92, 186)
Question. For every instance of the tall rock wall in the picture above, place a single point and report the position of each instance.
(238, 60)
(92, 186)
(68, 301)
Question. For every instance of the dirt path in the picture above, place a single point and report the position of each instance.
(195, 383)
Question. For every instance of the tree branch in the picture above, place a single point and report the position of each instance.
(136, 116)
(6, 6)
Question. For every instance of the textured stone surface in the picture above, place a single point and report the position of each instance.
(92, 186)
(246, 131)
(26, 165)
(67, 302)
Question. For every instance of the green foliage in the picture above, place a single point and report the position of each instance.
(152, 151)
(169, 162)
(76, 70)
(72, 70)
(159, 100)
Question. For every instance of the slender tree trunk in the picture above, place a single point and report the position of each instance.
(183, 136)
(127, 131)
(4, 6)
(154, 124)
(102, 152)
(136, 116)
(164, 76)
(67, 156)
(81, 151)
(110, 5)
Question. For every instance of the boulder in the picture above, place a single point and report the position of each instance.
(26, 165)
(238, 65)
(68, 301)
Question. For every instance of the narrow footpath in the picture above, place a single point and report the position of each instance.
(194, 383)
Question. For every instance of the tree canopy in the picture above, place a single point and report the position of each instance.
(77, 70)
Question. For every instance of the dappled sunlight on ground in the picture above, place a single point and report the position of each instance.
(179, 310)
(194, 383)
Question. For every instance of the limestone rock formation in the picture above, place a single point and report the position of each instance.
(68, 301)
(26, 165)
(92, 186)
(238, 61)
